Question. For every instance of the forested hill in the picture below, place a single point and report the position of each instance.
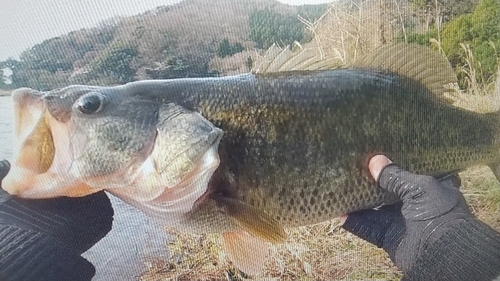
(220, 37)
(192, 38)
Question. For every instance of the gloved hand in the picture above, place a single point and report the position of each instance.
(4, 169)
(432, 219)
(43, 239)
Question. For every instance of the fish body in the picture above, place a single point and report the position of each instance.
(297, 144)
(245, 155)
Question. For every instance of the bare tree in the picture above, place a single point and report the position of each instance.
(351, 28)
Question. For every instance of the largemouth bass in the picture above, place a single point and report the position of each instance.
(253, 154)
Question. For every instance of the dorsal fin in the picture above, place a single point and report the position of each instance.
(416, 62)
(293, 58)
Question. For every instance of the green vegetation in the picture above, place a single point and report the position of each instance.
(421, 38)
(268, 27)
(225, 49)
(480, 31)
(469, 37)
(116, 63)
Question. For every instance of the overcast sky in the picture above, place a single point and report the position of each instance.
(25, 23)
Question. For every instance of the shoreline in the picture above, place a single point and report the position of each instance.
(5, 93)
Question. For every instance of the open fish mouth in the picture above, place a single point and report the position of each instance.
(138, 149)
(36, 151)
(41, 152)
(34, 148)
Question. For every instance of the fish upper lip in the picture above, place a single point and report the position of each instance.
(23, 93)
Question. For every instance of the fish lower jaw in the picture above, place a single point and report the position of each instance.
(171, 203)
(26, 184)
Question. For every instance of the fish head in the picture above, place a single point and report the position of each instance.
(81, 139)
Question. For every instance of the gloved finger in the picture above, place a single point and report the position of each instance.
(29, 255)
(77, 222)
(450, 180)
(4, 169)
(372, 225)
(423, 197)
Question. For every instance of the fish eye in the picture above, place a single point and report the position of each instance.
(90, 103)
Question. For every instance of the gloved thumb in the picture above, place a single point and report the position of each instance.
(377, 164)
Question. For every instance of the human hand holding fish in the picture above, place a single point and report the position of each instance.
(432, 234)
(43, 240)
(250, 155)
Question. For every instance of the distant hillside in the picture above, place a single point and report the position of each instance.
(192, 38)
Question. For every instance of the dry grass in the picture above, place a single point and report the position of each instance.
(327, 252)
(192, 257)
(482, 192)
(475, 102)
(350, 29)
(319, 252)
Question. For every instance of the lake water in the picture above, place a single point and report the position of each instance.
(6, 126)
(125, 252)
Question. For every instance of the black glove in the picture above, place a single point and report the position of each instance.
(427, 234)
(43, 239)
(4, 169)
(401, 228)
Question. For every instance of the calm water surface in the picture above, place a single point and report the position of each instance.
(124, 254)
